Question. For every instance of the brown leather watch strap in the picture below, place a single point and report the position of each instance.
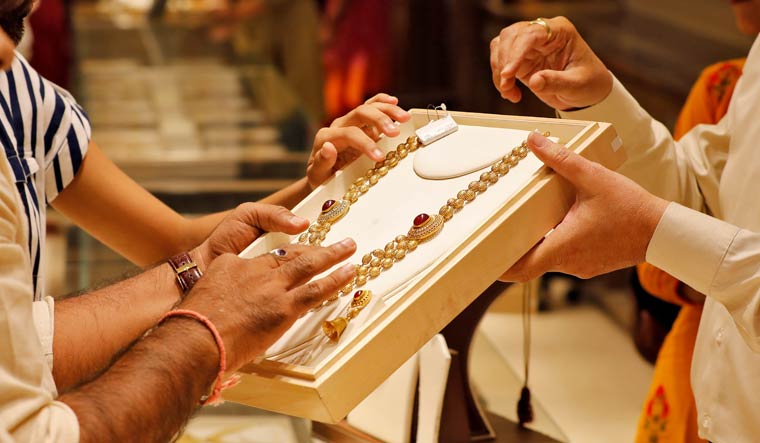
(187, 271)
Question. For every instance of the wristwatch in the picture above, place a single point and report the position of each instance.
(187, 271)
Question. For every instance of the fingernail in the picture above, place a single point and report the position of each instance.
(323, 154)
(296, 220)
(389, 127)
(347, 269)
(539, 140)
(377, 154)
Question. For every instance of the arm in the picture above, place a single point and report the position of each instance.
(111, 318)
(715, 258)
(148, 394)
(687, 171)
(125, 216)
(291, 195)
(561, 70)
(131, 221)
(107, 320)
(615, 223)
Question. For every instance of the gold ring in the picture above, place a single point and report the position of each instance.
(541, 21)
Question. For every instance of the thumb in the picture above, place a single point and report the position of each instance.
(574, 168)
(271, 218)
(550, 81)
(324, 161)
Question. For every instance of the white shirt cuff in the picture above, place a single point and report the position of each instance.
(619, 108)
(690, 246)
(44, 317)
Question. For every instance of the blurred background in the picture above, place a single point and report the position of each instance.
(210, 103)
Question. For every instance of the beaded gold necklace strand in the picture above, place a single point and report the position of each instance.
(424, 226)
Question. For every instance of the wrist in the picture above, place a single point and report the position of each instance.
(187, 332)
(187, 270)
(194, 332)
(653, 214)
(215, 395)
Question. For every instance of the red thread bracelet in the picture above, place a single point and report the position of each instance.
(215, 397)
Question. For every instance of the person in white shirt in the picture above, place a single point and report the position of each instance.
(688, 207)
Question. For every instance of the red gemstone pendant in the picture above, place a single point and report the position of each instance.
(421, 220)
(327, 205)
(425, 227)
(361, 299)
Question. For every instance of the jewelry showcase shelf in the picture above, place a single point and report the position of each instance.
(424, 292)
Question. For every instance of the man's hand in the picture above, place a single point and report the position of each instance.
(607, 228)
(252, 302)
(559, 68)
(354, 134)
(244, 225)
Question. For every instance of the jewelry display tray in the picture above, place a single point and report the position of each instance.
(330, 389)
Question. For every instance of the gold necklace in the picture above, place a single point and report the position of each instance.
(424, 226)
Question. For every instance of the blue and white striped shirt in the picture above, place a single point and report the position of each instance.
(42, 129)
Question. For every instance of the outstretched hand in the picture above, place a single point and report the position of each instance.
(242, 226)
(252, 302)
(608, 227)
(352, 135)
(560, 68)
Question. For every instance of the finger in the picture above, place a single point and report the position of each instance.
(494, 60)
(284, 254)
(549, 255)
(313, 293)
(506, 79)
(315, 261)
(584, 174)
(351, 137)
(384, 98)
(526, 43)
(381, 116)
(549, 81)
(526, 269)
(510, 91)
(505, 51)
(324, 161)
(377, 115)
(393, 111)
(270, 218)
(505, 85)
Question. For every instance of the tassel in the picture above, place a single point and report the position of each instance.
(524, 407)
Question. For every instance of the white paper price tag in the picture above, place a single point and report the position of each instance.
(436, 129)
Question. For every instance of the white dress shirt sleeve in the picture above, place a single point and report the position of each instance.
(715, 258)
(687, 171)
